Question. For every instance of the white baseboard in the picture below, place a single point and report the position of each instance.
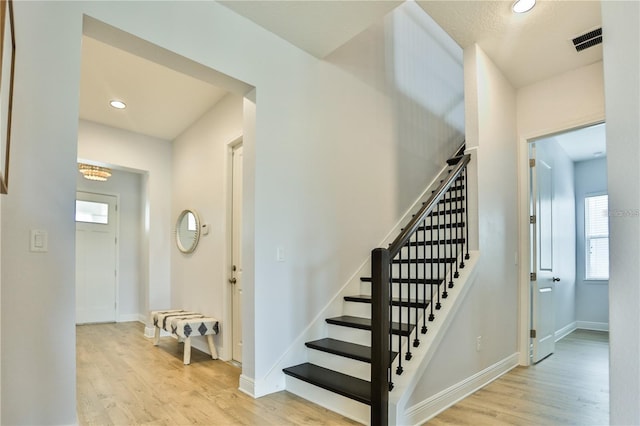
(566, 330)
(429, 408)
(128, 318)
(589, 325)
(247, 385)
(149, 332)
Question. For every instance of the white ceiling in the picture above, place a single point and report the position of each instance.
(162, 102)
(583, 144)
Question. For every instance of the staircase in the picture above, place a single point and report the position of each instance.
(370, 342)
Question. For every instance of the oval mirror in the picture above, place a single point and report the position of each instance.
(187, 231)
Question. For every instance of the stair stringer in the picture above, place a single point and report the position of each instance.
(296, 353)
(405, 384)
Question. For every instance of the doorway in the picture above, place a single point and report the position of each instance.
(96, 254)
(565, 168)
(235, 279)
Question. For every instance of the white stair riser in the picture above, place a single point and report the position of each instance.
(363, 310)
(431, 291)
(334, 402)
(360, 337)
(351, 367)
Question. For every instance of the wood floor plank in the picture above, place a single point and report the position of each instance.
(122, 379)
(571, 387)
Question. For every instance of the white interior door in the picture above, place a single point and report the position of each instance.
(236, 255)
(96, 227)
(542, 280)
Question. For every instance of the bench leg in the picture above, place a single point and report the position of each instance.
(212, 347)
(156, 336)
(187, 351)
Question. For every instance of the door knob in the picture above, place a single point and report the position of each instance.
(556, 279)
(232, 280)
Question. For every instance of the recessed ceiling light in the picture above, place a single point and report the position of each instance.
(117, 104)
(522, 6)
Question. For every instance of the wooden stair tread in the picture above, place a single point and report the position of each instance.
(365, 324)
(342, 384)
(366, 298)
(344, 349)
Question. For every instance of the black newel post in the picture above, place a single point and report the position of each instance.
(380, 337)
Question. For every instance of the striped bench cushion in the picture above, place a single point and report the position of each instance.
(185, 323)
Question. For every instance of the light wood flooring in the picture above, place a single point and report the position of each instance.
(124, 380)
(571, 387)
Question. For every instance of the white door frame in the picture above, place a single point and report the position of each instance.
(524, 260)
(227, 342)
(117, 245)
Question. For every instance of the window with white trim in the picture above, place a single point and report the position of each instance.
(596, 224)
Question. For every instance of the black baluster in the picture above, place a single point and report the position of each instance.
(399, 369)
(437, 257)
(431, 226)
(390, 313)
(466, 210)
(457, 225)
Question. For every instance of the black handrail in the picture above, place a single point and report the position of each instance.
(431, 202)
(381, 278)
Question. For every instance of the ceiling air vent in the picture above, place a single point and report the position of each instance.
(587, 40)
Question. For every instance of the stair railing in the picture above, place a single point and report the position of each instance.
(444, 210)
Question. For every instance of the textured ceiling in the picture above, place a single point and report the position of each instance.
(527, 47)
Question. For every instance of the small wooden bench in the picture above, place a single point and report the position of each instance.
(184, 324)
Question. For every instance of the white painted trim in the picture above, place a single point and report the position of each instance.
(149, 332)
(247, 385)
(405, 384)
(429, 408)
(565, 331)
(525, 325)
(128, 318)
(227, 312)
(589, 325)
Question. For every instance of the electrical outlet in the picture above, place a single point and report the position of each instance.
(478, 343)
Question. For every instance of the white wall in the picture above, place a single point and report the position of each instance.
(311, 117)
(563, 231)
(127, 186)
(151, 157)
(38, 357)
(592, 297)
(200, 158)
(490, 309)
(621, 26)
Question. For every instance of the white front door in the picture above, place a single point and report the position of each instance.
(542, 280)
(96, 226)
(236, 255)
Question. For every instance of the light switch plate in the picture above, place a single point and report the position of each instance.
(39, 240)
